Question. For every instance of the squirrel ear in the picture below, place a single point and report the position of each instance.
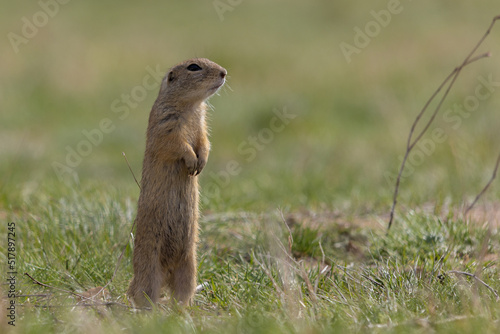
(171, 76)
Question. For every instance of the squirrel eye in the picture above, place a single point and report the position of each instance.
(194, 67)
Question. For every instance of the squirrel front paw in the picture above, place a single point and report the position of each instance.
(195, 162)
(195, 168)
(200, 165)
(191, 165)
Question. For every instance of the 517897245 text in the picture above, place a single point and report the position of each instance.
(11, 273)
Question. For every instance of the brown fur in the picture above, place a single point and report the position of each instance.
(177, 149)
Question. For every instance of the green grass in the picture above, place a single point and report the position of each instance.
(295, 241)
(334, 277)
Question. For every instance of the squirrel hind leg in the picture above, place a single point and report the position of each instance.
(146, 286)
(182, 281)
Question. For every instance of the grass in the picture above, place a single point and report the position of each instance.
(330, 275)
(293, 242)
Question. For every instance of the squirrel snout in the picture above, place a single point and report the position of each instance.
(223, 74)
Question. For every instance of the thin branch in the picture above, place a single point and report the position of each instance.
(485, 187)
(454, 76)
(456, 272)
(411, 144)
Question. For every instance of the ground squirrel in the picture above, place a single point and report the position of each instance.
(177, 149)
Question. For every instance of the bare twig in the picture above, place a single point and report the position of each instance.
(485, 187)
(456, 272)
(450, 80)
(453, 76)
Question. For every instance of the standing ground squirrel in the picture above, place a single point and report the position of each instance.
(177, 149)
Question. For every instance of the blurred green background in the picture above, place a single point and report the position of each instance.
(352, 118)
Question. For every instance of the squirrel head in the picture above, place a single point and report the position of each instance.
(192, 81)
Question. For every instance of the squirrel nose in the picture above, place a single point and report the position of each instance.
(223, 74)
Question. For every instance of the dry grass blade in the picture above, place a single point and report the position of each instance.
(131, 171)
